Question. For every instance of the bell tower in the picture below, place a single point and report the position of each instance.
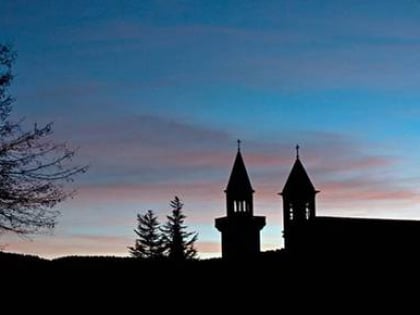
(298, 205)
(240, 228)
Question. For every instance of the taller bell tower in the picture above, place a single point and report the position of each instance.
(240, 228)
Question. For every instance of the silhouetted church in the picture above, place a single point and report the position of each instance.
(305, 232)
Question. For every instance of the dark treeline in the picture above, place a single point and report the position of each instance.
(273, 280)
(270, 266)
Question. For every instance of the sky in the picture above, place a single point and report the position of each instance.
(154, 94)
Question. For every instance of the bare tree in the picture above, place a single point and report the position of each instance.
(33, 169)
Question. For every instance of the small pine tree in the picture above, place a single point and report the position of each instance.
(149, 241)
(178, 243)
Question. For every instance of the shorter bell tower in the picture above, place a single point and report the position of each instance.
(240, 228)
(298, 206)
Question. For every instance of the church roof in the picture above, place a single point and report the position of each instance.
(298, 180)
(239, 181)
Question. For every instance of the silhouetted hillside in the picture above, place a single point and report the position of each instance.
(14, 262)
(273, 279)
(268, 265)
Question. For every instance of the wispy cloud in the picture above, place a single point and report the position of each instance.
(209, 247)
(334, 53)
(139, 159)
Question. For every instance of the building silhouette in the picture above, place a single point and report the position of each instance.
(298, 204)
(240, 229)
(306, 233)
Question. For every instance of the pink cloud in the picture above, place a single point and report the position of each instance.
(206, 248)
(150, 191)
(146, 149)
(201, 176)
(365, 189)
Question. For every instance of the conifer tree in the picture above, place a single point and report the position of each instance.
(178, 243)
(149, 241)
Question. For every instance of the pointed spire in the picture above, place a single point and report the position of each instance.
(298, 181)
(239, 180)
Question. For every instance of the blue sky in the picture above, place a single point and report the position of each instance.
(155, 94)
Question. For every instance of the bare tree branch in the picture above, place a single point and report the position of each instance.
(33, 169)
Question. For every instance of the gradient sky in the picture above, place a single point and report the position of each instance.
(155, 94)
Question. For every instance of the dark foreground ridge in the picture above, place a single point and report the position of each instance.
(271, 266)
(273, 279)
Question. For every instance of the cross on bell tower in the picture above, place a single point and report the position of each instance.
(240, 228)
